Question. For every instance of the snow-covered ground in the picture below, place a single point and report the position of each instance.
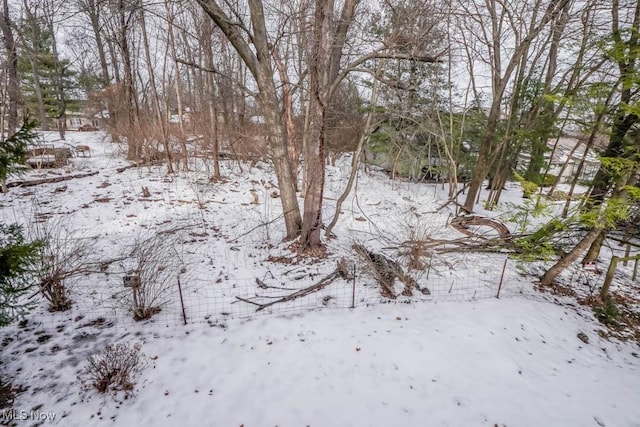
(457, 357)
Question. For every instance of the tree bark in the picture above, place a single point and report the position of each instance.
(319, 64)
(178, 86)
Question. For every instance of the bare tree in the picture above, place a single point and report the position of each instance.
(258, 61)
(608, 195)
(330, 25)
(494, 23)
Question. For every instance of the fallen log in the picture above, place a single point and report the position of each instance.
(386, 271)
(34, 182)
(124, 168)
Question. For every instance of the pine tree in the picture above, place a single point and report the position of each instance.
(13, 151)
(46, 79)
(16, 258)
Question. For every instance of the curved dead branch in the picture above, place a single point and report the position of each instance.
(463, 224)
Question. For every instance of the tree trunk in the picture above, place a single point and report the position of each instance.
(594, 250)
(570, 258)
(59, 73)
(37, 88)
(134, 149)
(482, 163)
(93, 13)
(282, 166)
(210, 95)
(156, 97)
(578, 172)
(259, 64)
(314, 164)
(287, 101)
(13, 85)
(174, 57)
(501, 79)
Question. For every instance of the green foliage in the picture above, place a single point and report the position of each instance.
(549, 180)
(16, 259)
(521, 214)
(528, 188)
(632, 192)
(616, 209)
(38, 65)
(13, 149)
(528, 250)
(607, 313)
(538, 245)
(557, 98)
(617, 167)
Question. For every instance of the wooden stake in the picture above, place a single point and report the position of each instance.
(626, 254)
(604, 292)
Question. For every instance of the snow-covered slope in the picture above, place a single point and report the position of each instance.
(458, 357)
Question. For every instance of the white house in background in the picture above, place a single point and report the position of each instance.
(76, 120)
(569, 150)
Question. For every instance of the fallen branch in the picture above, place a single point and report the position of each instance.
(264, 224)
(463, 222)
(263, 285)
(326, 281)
(454, 200)
(34, 182)
(134, 165)
(441, 246)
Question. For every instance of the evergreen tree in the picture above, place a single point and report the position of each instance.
(16, 258)
(46, 79)
(13, 151)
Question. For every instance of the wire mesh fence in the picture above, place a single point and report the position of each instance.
(298, 290)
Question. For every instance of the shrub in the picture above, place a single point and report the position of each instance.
(549, 180)
(608, 313)
(114, 370)
(61, 259)
(528, 188)
(152, 267)
(8, 393)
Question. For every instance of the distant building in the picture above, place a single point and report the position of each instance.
(568, 154)
(76, 120)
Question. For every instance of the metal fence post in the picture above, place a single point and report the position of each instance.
(184, 313)
(353, 288)
(504, 267)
